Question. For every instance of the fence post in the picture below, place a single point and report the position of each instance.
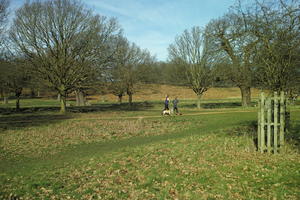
(269, 102)
(258, 125)
(272, 112)
(262, 126)
(275, 122)
(282, 121)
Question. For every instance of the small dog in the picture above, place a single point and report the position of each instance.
(166, 112)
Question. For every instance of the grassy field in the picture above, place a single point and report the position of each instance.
(111, 151)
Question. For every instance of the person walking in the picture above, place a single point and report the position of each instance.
(167, 100)
(175, 105)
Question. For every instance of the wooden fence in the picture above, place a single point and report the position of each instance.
(271, 122)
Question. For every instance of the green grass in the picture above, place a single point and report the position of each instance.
(38, 102)
(118, 153)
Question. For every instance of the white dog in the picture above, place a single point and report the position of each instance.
(166, 112)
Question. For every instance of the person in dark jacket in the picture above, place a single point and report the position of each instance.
(167, 100)
(175, 105)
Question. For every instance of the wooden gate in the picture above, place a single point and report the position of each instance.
(271, 122)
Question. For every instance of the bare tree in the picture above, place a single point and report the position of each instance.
(276, 24)
(191, 50)
(232, 37)
(60, 38)
(114, 75)
(4, 4)
(105, 50)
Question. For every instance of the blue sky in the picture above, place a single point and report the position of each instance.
(154, 24)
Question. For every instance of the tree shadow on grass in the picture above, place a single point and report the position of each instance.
(137, 106)
(36, 116)
(80, 109)
(217, 105)
(221, 105)
(9, 122)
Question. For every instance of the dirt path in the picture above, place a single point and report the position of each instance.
(160, 116)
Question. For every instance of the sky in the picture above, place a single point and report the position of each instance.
(154, 24)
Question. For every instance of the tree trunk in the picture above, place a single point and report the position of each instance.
(32, 93)
(246, 95)
(18, 103)
(80, 98)
(5, 100)
(77, 98)
(120, 98)
(38, 93)
(199, 100)
(58, 97)
(18, 93)
(130, 99)
(62, 104)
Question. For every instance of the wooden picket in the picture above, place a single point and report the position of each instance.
(271, 119)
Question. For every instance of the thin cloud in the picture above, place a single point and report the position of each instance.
(105, 6)
(149, 13)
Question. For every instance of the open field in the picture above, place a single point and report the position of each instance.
(155, 92)
(108, 151)
(152, 92)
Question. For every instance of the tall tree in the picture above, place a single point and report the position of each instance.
(191, 50)
(105, 50)
(59, 38)
(276, 24)
(232, 37)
